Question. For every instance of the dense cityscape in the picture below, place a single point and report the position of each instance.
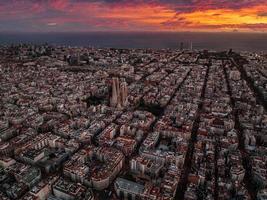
(91, 124)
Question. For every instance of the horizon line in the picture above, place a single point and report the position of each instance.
(124, 31)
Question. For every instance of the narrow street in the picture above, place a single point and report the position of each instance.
(182, 185)
(245, 156)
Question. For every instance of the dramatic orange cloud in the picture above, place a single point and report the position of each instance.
(243, 19)
(134, 15)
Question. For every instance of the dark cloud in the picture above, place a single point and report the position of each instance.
(262, 14)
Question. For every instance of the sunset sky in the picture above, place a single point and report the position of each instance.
(133, 15)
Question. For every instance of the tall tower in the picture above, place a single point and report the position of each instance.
(118, 88)
(181, 46)
(78, 59)
(119, 96)
(124, 93)
(114, 95)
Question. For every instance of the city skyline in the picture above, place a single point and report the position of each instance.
(135, 15)
(83, 123)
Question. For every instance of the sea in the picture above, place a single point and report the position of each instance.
(253, 42)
